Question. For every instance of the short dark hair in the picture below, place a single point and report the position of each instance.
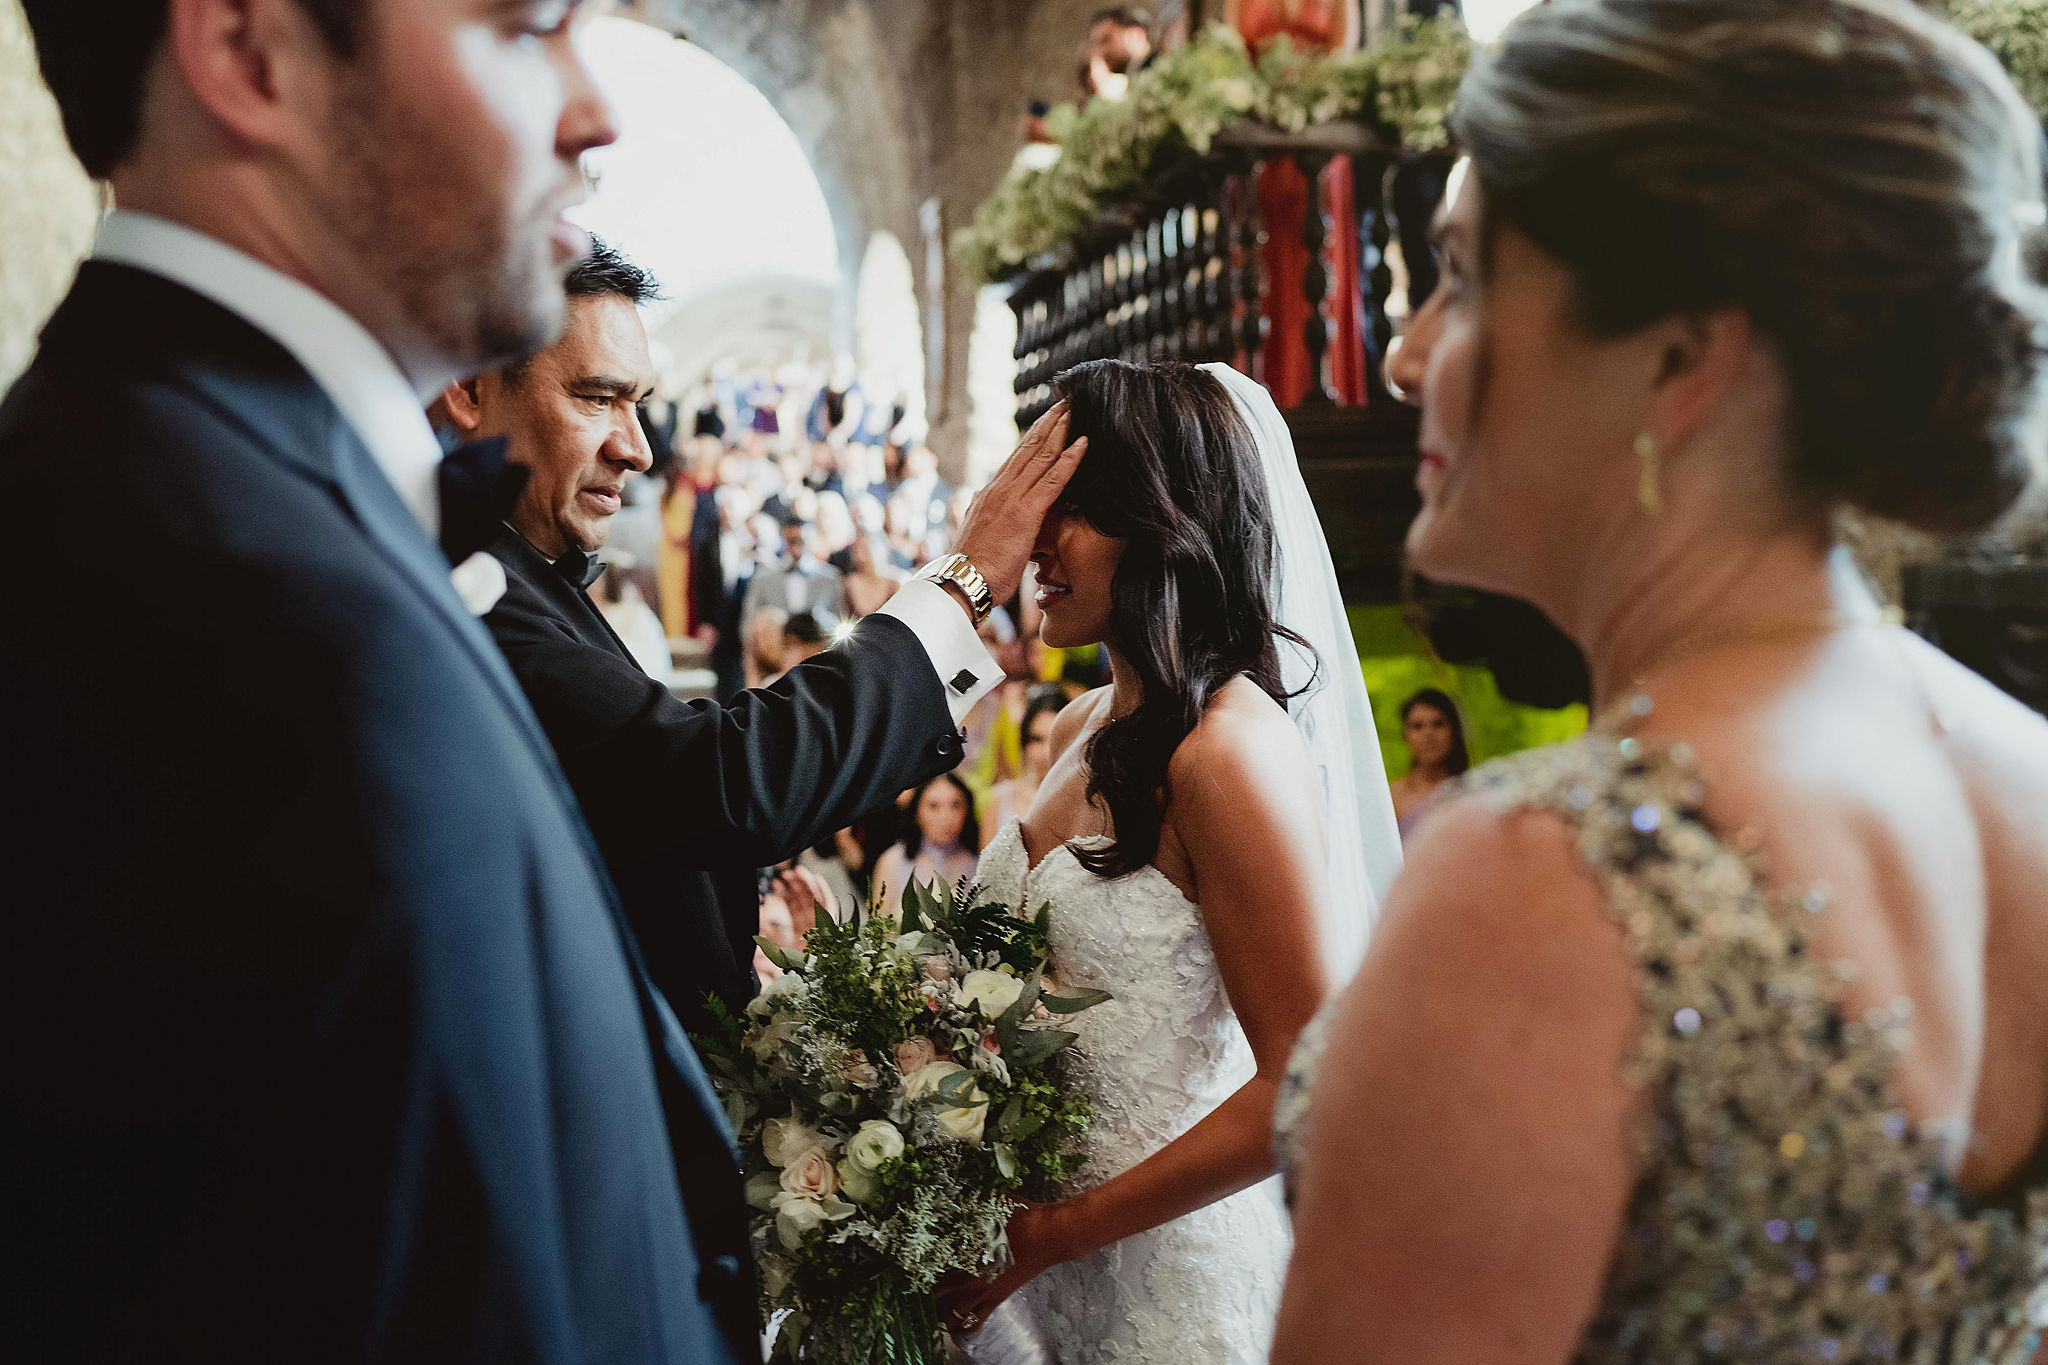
(1123, 16)
(804, 629)
(606, 271)
(96, 57)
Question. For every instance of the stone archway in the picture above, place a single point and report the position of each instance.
(829, 72)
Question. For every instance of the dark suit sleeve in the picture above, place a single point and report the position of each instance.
(749, 783)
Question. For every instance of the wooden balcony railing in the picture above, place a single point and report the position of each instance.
(1181, 275)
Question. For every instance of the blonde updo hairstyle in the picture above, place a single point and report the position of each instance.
(1858, 177)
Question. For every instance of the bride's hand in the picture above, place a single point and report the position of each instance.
(1037, 1243)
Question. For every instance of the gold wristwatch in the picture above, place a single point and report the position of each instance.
(959, 570)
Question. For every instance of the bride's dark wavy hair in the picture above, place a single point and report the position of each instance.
(1173, 472)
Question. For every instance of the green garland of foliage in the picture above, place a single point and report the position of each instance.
(1182, 101)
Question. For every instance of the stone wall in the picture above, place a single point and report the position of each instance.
(47, 205)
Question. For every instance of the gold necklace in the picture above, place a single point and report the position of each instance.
(1635, 703)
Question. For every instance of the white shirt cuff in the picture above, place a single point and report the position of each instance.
(966, 669)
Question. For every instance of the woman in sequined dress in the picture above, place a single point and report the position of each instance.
(1722, 1034)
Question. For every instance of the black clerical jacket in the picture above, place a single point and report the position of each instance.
(688, 799)
(325, 1037)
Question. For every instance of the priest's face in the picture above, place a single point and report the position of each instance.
(449, 143)
(572, 413)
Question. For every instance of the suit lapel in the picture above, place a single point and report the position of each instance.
(117, 314)
(405, 544)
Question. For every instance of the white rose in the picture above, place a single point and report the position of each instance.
(993, 991)
(784, 1140)
(862, 1187)
(875, 1142)
(915, 1054)
(811, 1175)
(925, 1080)
(966, 1122)
(794, 1217)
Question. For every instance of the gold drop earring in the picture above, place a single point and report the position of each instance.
(1647, 490)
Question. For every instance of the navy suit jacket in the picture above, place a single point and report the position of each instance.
(326, 1040)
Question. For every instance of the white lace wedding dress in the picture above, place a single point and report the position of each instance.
(1200, 1290)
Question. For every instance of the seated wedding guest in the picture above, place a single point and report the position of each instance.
(1010, 800)
(762, 637)
(800, 581)
(942, 844)
(1435, 737)
(688, 799)
(326, 1040)
(1718, 1035)
(872, 580)
(801, 639)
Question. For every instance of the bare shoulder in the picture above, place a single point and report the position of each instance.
(1077, 718)
(1244, 737)
(1479, 881)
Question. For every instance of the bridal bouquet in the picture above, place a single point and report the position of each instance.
(897, 1092)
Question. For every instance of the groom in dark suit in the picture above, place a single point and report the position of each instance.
(687, 800)
(326, 1038)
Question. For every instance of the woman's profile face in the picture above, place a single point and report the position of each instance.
(1428, 735)
(1528, 425)
(1076, 565)
(941, 813)
(1038, 742)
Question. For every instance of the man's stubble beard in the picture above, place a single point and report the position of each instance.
(474, 285)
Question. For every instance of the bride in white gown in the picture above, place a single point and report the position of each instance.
(1210, 859)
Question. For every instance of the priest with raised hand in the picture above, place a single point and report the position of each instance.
(688, 799)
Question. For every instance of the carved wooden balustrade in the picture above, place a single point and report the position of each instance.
(1180, 275)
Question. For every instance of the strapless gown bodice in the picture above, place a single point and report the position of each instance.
(1154, 1060)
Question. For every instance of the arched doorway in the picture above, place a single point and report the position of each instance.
(709, 188)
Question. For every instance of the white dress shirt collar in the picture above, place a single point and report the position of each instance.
(342, 357)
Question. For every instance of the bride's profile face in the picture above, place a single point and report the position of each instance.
(1076, 565)
(1526, 422)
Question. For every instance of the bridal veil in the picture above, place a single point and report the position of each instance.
(1334, 715)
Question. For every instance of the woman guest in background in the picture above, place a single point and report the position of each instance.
(1720, 1034)
(873, 578)
(1436, 753)
(1014, 797)
(942, 845)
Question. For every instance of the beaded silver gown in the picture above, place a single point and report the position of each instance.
(1786, 1209)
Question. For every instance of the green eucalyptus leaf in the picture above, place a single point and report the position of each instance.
(957, 1087)
(1031, 1121)
(912, 919)
(1076, 1000)
(1006, 1160)
(775, 954)
(1013, 1114)
(1038, 1046)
